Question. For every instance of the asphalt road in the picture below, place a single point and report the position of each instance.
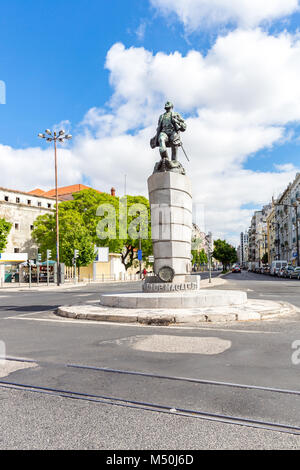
(255, 353)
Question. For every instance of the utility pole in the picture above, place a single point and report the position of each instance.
(49, 254)
(76, 254)
(140, 255)
(38, 261)
(208, 238)
(29, 272)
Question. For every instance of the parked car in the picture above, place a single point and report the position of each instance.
(276, 266)
(280, 272)
(236, 269)
(266, 270)
(296, 273)
(287, 271)
(275, 272)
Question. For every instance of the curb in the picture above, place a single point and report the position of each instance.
(252, 311)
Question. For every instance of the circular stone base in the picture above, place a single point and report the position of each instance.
(251, 310)
(196, 299)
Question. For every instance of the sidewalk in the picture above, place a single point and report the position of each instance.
(24, 287)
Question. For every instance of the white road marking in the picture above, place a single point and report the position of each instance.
(84, 295)
(137, 325)
(26, 315)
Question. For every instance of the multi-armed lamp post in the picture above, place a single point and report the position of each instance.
(61, 136)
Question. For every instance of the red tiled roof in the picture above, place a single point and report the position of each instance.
(37, 192)
(74, 188)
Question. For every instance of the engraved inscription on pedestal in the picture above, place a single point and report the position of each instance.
(170, 286)
(152, 284)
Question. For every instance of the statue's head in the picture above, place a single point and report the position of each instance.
(168, 106)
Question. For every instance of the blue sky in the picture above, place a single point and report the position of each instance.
(52, 62)
(53, 55)
(243, 119)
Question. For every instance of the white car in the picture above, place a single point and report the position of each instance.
(295, 273)
(276, 266)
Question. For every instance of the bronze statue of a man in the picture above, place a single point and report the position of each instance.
(170, 124)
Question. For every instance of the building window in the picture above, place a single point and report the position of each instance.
(17, 250)
(6, 198)
(16, 226)
(31, 227)
(29, 202)
(39, 204)
(17, 200)
(49, 206)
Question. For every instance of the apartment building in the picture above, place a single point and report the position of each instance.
(258, 235)
(243, 248)
(281, 229)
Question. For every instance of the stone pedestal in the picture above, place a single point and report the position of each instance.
(170, 196)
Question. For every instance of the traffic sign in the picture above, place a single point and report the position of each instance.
(140, 255)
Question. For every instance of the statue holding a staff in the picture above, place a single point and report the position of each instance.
(170, 124)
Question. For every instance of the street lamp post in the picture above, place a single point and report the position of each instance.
(210, 251)
(61, 136)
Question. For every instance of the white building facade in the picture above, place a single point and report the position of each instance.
(21, 210)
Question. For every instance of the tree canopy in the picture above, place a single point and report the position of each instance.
(199, 257)
(5, 228)
(224, 252)
(97, 219)
(72, 235)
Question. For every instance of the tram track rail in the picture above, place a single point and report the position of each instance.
(160, 376)
(154, 407)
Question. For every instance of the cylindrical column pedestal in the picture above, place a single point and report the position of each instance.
(170, 196)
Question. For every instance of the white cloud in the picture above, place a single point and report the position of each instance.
(26, 169)
(141, 30)
(246, 72)
(207, 13)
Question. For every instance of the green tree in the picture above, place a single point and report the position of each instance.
(107, 221)
(199, 257)
(115, 222)
(265, 258)
(72, 235)
(44, 234)
(203, 257)
(138, 225)
(4, 232)
(224, 252)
